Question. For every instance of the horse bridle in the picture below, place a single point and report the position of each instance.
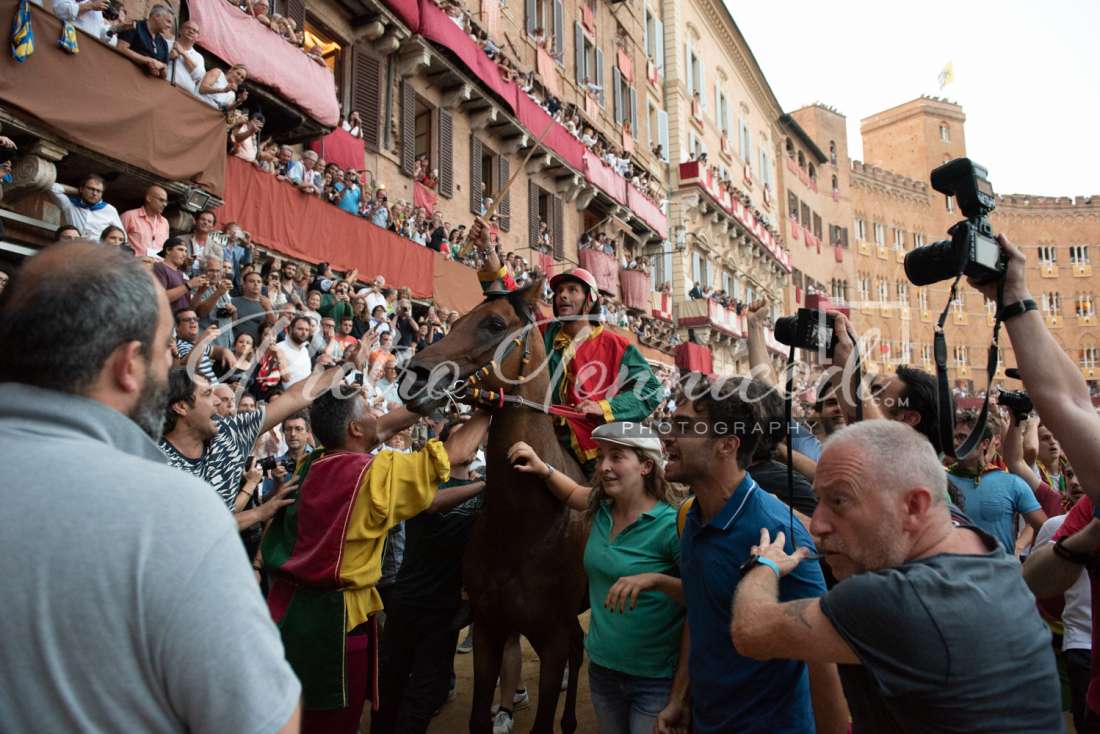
(500, 398)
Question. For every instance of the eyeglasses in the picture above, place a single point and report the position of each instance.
(189, 319)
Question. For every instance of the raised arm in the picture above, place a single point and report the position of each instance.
(524, 459)
(759, 365)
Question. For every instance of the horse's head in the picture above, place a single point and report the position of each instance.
(495, 334)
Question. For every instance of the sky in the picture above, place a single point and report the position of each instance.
(1027, 75)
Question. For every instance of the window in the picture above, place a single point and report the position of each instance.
(788, 146)
(883, 291)
(817, 225)
(423, 146)
(695, 75)
(902, 289)
(990, 308)
(918, 239)
(813, 173)
(807, 218)
(792, 206)
(922, 300)
(864, 285)
(899, 239)
(801, 160)
(723, 115)
(625, 100)
(1048, 254)
(906, 355)
(587, 60)
(950, 202)
(962, 356)
(945, 133)
(745, 136)
(727, 281)
(488, 172)
(544, 207)
(836, 183)
(880, 234)
(860, 230)
(1089, 357)
(700, 269)
(331, 51)
(832, 154)
(653, 135)
(1051, 302)
(925, 352)
(540, 18)
(1083, 305)
(660, 254)
(1078, 254)
(958, 306)
(838, 236)
(655, 40)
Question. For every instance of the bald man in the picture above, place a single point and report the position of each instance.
(931, 625)
(91, 526)
(146, 228)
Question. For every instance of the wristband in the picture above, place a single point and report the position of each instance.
(1072, 556)
(549, 473)
(1012, 310)
(760, 561)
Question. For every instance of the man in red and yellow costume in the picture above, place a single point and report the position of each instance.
(324, 551)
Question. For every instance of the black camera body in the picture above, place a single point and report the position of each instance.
(808, 329)
(111, 11)
(1018, 403)
(223, 312)
(973, 249)
(269, 464)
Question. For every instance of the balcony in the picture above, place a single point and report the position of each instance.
(1086, 319)
(1048, 269)
(636, 290)
(1052, 320)
(605, 268)
(730, 207)
(711, 321)
(865, 248)
(881, 251)
(1082, 269)
(959, 317)
(899, 255)
(236, 38)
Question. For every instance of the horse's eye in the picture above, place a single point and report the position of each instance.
(495, 323)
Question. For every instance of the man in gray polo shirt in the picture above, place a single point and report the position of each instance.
(129, 603)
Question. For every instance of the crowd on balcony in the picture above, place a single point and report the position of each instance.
(724, 180)
(282, 25)
(723, 299)
(567, 115)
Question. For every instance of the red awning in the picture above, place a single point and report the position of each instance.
(603, 176)
(408, 11)
(647, 211)
(282, 218)
(456, 285)
(238, 38)
(342, 148)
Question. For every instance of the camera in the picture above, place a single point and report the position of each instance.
(809, 329)
(1017, 401)
(973, 250)
(270, 463)
(111, 11)
(223, 312)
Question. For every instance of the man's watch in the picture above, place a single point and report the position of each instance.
(755, 560)
(1072, 556)
(1011, 310)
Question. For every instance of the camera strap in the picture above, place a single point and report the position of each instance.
(944, 404)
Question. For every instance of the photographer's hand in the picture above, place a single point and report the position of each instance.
(843, 353)
(1015, 280)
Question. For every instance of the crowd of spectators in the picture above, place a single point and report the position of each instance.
(725, 182)
(282, 25)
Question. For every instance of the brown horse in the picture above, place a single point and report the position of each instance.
(523, 568)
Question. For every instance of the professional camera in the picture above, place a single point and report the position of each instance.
(1017, 401)
(973, 249)
(269, 464)
(808, 329)
(111, 11)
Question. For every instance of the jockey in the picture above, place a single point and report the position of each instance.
(592, 370)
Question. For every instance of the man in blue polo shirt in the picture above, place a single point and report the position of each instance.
(993, 496)
(710, 441)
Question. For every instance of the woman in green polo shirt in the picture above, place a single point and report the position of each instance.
(632, 560)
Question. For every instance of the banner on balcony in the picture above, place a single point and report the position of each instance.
(424, 197)
(694, 358)
(342, 148)
(282, 218)
(636, 289)
(603, 267)
(238, 38)
(140, 121)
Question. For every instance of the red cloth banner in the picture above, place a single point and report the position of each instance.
(424, 197)
(636, 288)
(342, 148)
(437, 26)
(626, 66)
(588, 20)
(601, 175)
(407, 11)
(456, 285)
(238, 38)
(546, 264)
(694, 358)
(603, 267)
(649, 212)
(662, 306)
(281, 217)
(558, 139)
(548, 72)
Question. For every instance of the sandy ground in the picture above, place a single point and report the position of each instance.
(454, 717)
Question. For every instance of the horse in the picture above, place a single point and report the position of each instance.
(523, 568)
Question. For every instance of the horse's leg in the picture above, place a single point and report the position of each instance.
(553, 650)
(576, 656)
(488, 649)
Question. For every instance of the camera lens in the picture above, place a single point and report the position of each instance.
(786, 330)
(931, 264)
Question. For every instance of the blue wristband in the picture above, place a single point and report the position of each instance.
(1096, 510)
(770, 564)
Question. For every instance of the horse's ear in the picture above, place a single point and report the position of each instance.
(529, 296)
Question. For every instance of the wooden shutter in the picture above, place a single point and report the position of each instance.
(532, 18)
(446, 154)
(366, 94)
(662, 133)
(578, 51)
(659, 44)
(559, 32)
(687, 69)
(408, 128)
(532, 213)
(505, 208)
(475, 175)
(599, 76)
(557, 227)
(633, 112)
(617, 94)
(296, 9)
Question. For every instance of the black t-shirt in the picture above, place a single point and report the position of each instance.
(950, 643)
(772, 477)
(145, 43)
(436, 242)
(431, 573)
(408, 331)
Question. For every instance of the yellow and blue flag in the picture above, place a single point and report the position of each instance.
(22, 34)
(68, 38)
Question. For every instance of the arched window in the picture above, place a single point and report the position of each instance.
(790, 148)
(801, 160)
(832, 152)
(813, 172)
(836, 183)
